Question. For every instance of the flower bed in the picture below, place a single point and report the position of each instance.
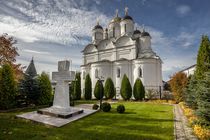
(201, 132)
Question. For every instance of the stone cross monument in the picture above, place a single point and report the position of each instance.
(62, 79)
(61, 104)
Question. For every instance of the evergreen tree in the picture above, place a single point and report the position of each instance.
(191, 93)
(30, 88)
(99, 90)
(203, 58)
(88, 87)
(126, 90)
(45, 96)
(109, 89)
(7, 87)
(138, 90)
(204, 98)
(77, 87)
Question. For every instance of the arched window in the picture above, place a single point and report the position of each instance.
(96, 73)
(125, 28)
(118, 72)
(113, 31)
(139, 72)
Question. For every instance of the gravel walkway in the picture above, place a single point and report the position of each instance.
(182, 131)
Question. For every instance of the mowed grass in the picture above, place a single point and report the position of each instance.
(141, 121)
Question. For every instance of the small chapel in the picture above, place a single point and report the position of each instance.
(121, 49)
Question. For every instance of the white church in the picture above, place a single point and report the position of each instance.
(119, 50)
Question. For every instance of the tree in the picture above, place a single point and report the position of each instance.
(88, 87)
(77, 87)
(126, 90)
(45, 96)
(99, 90)
(203, 89)
(178, 83)
(203, 58)
(190, 93)
(138, 90)
(8, 54)
(109, 90)
(29, 87)
(7, 87)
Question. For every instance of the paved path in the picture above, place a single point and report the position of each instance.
(182, 131)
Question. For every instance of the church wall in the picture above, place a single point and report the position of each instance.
(151, 72)
(104, 71)
(125, 68)
(90, 58)
(84, 71)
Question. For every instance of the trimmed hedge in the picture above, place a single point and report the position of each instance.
(120, 108)
(95, 107)
(126, 89)
(106, 107)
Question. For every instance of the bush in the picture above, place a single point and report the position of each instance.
(99, 89)
(95, 106)
(178, 83)
(106, 107)
(138, 90)
(88, 87)
(109, 89)
(126, 90)
(151, 93)
(120, 108)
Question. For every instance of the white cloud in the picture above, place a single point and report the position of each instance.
(36, 52)
(65, 22)
(183, 10)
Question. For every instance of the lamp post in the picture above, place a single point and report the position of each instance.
(100, 80)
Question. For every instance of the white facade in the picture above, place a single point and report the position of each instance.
(120, 50)
(189, 71)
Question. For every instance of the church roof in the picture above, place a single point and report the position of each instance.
(145, 33)
(127, 17)
(31, 70)
(136, 32)
(116, 19)
(98, 27)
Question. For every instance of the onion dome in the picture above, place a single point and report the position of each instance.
(127, 17)
(116, 19)
(136, 32)
(145, 33)
(97, 27)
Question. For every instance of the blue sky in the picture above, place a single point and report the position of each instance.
(53, 30)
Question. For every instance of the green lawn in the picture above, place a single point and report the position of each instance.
(141, 121)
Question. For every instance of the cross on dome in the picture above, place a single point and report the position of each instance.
(97, 21)
(116, 12)
(126, 10)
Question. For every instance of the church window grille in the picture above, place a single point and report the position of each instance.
(118, 73)
(96, 73)
(140, 72)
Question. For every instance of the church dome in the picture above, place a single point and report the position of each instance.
(145, 33)
(116, 19)
(127, 17)
(136, 32)
(98, 27)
